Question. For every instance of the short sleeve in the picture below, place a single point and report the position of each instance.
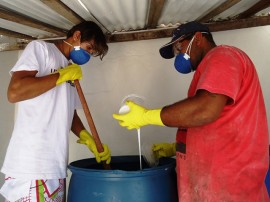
(32, 58)
(221, 72)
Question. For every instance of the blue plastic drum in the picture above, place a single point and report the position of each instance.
(267, 182)
(125, 182)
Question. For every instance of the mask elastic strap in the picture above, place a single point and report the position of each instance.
(67, 43)
(190, 43)
(75, 47)
(189, 46)
(189, 50)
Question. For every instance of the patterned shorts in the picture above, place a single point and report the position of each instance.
(44, 191)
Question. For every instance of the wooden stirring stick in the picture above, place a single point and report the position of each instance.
(90, 121)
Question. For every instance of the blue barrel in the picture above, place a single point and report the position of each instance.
(267, 182)
(267, 179)
(124, 182)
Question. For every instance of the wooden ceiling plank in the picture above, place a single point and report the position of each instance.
(167, 32)
(61, 8)
(140, 35)
(254, 9)
(223, 7)
(239, 23)
(21, 19)
(155, 10)
(9, 33)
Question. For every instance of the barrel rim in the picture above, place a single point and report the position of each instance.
(158, 170)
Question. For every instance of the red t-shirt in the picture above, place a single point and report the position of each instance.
(227, 160)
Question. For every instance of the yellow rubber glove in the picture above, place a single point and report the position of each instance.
(69, 73)
(87, 139)
(138, 116)
(164, 150)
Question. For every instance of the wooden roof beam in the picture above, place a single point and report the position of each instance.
(156, 7)
(239, 23)
(61, 8)
(9, 33)
(254, 9)
(21, 19)
(221, 8)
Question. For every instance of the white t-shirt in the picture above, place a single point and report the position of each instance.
(38, 148)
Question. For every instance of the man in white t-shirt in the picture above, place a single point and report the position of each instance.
(36, 160)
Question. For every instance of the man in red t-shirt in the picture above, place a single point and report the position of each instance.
(222, 140)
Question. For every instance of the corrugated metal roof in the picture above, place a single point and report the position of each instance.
(39, 11)
(116, 15)
(184, 11)
(55, 17)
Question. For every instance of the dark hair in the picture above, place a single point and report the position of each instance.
(91, 31)
(209, 37)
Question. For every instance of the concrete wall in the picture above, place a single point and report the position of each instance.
(7, 59)
(135, 68)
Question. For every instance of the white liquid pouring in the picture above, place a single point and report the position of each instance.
(123, 110)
